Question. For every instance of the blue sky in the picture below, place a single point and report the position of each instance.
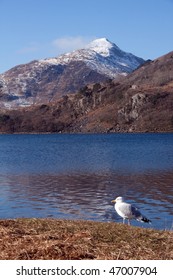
(35, 29)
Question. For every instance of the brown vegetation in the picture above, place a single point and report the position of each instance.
(23, 239)
(118, 108)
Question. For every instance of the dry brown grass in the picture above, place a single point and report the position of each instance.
(23, 239)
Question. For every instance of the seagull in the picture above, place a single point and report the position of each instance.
(128, 211)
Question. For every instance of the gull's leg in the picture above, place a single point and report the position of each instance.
(124, 220)
(129, 222)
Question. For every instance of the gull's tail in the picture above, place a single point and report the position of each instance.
(144, 219)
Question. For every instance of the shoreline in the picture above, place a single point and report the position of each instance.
(85, 133)
(35, 238)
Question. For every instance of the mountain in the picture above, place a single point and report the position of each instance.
(139, 102)
(46, 80)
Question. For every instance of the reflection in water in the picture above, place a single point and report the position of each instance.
(87, 195)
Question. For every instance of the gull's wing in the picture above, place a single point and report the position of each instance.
(125, 209)
(138, 216)
(135, 212)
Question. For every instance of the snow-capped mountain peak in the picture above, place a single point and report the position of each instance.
(101, 46)
(100, 55)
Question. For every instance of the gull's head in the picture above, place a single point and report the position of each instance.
(118, 199)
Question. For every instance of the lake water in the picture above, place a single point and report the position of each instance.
(77, 176)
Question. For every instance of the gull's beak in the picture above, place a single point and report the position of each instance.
(113, 201)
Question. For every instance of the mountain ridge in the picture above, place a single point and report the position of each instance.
(140, 102)
(48, 79)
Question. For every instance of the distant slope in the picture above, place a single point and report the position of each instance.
(158, 72)
(46, 80)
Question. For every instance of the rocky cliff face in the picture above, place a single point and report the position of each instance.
(46, 80)
(115, 108)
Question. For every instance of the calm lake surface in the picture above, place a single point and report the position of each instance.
(76, 176)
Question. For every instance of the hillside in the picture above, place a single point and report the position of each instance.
(139, 102)
(46, 80)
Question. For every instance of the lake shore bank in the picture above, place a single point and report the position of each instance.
(48, 239)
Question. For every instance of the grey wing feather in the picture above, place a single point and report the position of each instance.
(135, 212)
